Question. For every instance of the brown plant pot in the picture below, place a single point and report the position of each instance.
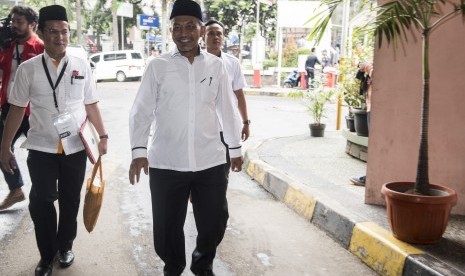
(415, 218)
(317, 130)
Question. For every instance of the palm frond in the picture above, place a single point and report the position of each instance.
(393, 20)
(322, 17)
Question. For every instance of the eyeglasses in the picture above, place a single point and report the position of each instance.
(56, 33)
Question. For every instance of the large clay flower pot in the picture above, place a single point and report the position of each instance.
(415, 218)
(317, 130)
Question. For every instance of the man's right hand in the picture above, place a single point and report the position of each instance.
(135, 168)
(8, 161)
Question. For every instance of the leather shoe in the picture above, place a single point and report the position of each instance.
(12, 198)
(44, 268)
(66, 258)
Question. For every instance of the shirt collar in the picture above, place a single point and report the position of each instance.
(49, 59)
(175, 52)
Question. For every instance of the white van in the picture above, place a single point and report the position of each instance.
(118, 65)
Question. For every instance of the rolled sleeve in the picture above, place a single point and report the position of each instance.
(90, 89)
(19, 95)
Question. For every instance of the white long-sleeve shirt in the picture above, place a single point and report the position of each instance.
(187, 101)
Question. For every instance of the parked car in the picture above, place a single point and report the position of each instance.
(119, 65)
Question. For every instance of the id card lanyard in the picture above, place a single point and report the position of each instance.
(64, 122)
(18, 57)
(60, 76)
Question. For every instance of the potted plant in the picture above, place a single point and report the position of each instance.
(418, 212)
(316, 100)
(351, 95)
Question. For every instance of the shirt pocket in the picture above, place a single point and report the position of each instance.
(209, 94)
(75, 89)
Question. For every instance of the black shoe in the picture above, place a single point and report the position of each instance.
(44, 268)
(66, 258)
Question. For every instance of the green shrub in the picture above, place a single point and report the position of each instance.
(270, 63)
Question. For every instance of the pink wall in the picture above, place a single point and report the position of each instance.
(395, 118)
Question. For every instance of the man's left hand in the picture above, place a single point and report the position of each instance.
(236, 164)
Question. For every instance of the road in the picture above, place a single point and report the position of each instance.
(263, 236)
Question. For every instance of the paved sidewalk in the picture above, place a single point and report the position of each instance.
(311, 176)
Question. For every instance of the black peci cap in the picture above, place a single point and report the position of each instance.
(53, 12)
(186, 7)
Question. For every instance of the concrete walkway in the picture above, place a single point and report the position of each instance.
(311, 176)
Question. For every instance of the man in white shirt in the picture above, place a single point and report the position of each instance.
(61, 93)
(214, 40)
(188, 94)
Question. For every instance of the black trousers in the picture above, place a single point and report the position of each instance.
(170, 193)
(14, 180)
(55, 176)
(310, 76)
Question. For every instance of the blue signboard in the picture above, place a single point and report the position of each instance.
(153, 38)
(147, 21)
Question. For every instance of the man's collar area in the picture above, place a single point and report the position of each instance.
(48, 57)
(175, 52)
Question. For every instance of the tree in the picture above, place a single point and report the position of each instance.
(73, 10)
(392, 22)
(99, 18)
(231, 12)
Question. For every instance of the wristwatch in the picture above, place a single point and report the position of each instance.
(246, 122)
(105, 136)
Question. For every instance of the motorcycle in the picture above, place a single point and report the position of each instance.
(292, 80)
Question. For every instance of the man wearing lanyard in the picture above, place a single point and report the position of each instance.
(61, 92)
(214, 39)
(186, 155)
(25, 46)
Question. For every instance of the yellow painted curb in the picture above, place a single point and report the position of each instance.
(300, 202)
(376, 247)
(257, 170)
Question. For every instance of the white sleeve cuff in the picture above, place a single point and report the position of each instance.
(139, 153)
(233, 153)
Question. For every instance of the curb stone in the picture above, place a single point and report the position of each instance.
(371, 243)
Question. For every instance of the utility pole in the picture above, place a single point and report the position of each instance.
(114, 7)
(345, 28)
(164, 25)
(79, 22)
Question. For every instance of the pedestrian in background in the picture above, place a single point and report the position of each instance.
(325, 59)
(310, 63)
(25, 45)
(187, 92)
(364, 74)
(62, 93)
(153, 54)
(214, 39)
